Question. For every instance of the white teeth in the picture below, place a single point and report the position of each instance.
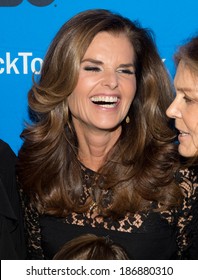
(108, 105)
(112, 99)
(183, 133)
(105, 101)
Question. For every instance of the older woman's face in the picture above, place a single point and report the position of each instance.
(106, 85)
(184, 109)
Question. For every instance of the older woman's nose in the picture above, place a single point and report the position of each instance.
(173, 111)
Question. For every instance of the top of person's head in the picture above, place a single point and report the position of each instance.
(188, 53)
(91, 247)
(62, 62)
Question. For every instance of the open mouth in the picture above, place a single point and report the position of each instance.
(105, 101)
(183, 133)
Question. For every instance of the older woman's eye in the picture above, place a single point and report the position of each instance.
(187, 99)
(91, 68)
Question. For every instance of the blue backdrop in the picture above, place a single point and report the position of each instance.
(28, 26)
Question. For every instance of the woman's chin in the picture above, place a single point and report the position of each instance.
(187, 151)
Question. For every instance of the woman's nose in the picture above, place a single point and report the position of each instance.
(173, 111)
(110, 79)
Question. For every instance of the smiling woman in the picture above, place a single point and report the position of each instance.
(103, 94)
(99, 156)
(184, 109)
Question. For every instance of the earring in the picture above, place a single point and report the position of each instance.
(127, 119)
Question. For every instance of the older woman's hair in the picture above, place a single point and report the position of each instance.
(91, 247)
(188, 53)
(139, 168)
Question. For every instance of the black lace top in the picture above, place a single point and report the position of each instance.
(146, 235)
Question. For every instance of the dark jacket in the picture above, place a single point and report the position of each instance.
(12, 244)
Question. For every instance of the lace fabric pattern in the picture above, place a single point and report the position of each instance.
(181, 219)
(188, 215)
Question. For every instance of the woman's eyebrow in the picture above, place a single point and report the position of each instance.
(95, 61)
(98, 62)
(184, 89)
(126, 65)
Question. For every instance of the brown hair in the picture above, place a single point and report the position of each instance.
(91, 247)
(139, 168)
(188, 53)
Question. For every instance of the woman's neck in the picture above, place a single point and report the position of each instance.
(95, 145)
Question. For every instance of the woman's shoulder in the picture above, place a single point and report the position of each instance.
(7, 156)
(188, 222)
(5, 149)
(7, 170)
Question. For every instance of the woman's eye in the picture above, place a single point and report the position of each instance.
(126, 71)
(187, 99)
(92, 68)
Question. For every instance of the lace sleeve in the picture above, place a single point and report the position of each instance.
(32, 229)
(188, 215)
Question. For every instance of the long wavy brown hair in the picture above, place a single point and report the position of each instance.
(139, 168)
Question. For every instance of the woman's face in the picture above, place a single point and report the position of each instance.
(184, 109)
(106, 85)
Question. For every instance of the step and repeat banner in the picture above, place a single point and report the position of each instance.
(28, 26)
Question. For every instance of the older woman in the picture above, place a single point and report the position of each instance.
(99, 157)
(184, 109)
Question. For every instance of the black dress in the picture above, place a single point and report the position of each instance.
(145, 236)
(12, 245)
